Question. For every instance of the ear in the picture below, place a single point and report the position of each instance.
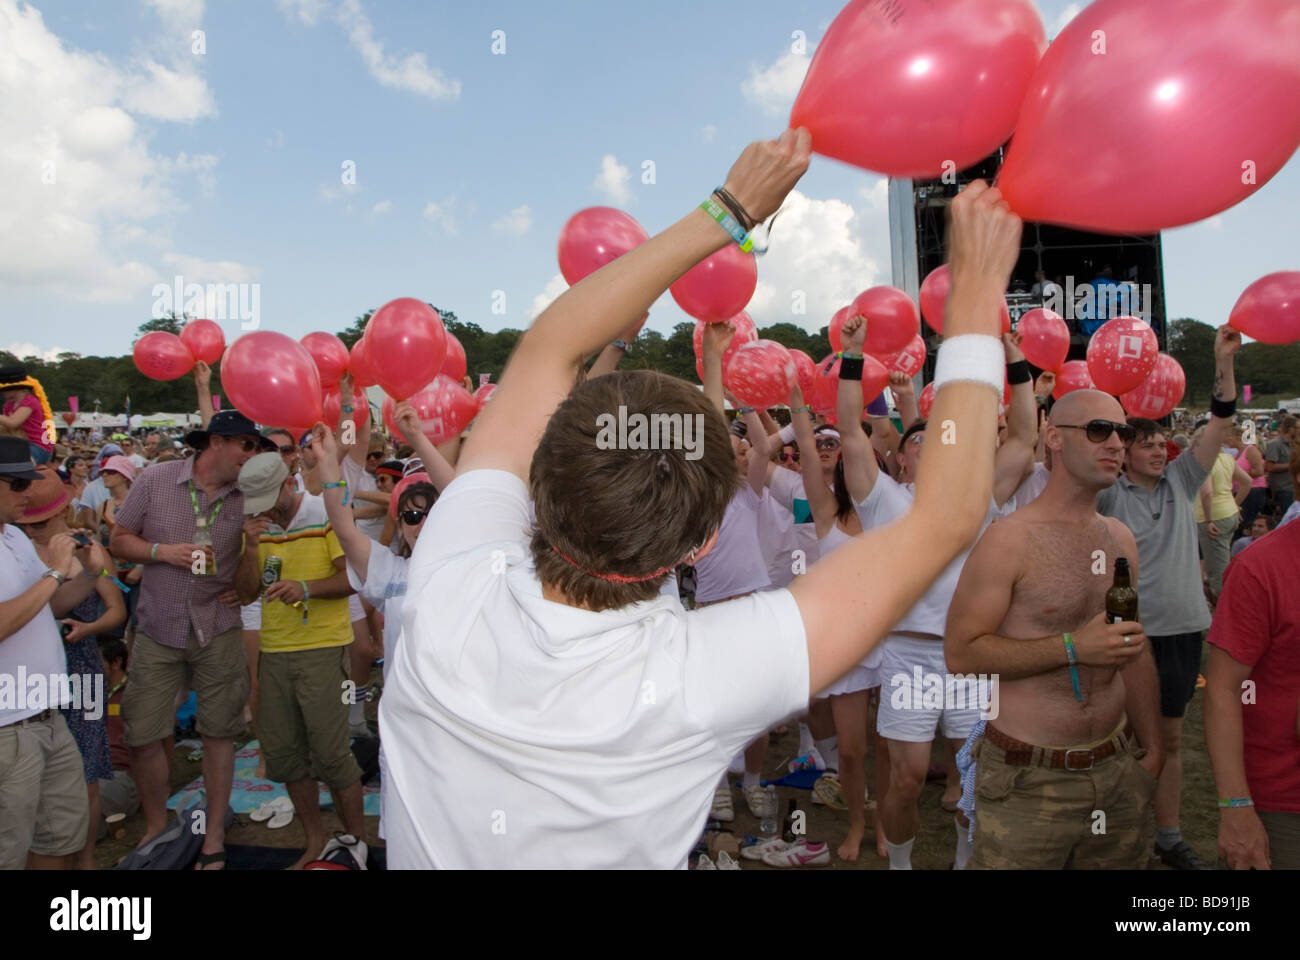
(703, 552)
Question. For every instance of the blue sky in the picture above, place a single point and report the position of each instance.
(227, 166)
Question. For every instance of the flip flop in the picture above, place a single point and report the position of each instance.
(205, 860)
(269, 809)
(282, 818)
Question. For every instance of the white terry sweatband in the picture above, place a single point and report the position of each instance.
(786, 434)
(971, 357)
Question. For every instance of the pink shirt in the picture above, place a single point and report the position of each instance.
(35, 423)
(1256, 482)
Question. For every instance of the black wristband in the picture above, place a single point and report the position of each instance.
(851, 368)
(1223, 408)
(735, 209)
(1018, 372)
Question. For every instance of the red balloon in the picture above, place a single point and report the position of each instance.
(204, 339)
(162, 356)
(484, 393)
(272, 379)
(330, 356)
(359, 365)
(1269, 309)
(454, 363)
(407, 344)
(68, 417)
(718, 286)
(891, 319)
(1045, 339)
(332, 407)
(910, 360)
(444, 406)
(906, 87)
(925, 402)
(806, 371)
(745, 333)
(761, 374)
(1189, 108)
(594, 237)
(934, 298)
(837, 325)
(1158, 394)
(1072, 376)
(826, 393)
(1121, 354)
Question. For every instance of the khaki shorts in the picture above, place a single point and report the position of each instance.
(1037, 818)
(44, 807)
(1283, 831)
(218, 673)
(302, 717)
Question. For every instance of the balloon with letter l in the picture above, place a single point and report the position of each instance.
(1121, 354)
(1159, 393)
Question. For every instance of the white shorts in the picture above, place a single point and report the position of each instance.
(904, 714)
(251, 615)
(859, 678)
(355, 610)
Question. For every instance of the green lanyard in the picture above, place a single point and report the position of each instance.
(199, 520)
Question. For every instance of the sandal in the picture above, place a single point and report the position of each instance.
(269, 809)
(827, 791)
(205, 860)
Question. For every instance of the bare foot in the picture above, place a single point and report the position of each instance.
(950, 797)
(882, 850)
(851, 846)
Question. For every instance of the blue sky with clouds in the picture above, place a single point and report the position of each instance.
(228, 165)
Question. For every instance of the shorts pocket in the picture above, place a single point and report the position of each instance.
(995, 781)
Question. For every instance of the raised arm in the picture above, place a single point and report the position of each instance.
(203, 387)
(614, 351)
(860, 468)
(356, 545)
(821, 501)
(1227, 342)
(1015, 457)
(846, 611)
(717, 337)
(760, 454)
(436, 466)
(548, 359)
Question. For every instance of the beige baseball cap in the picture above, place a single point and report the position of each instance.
(260, 480)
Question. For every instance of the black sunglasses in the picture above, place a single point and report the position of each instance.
(1099, 431)
(412, 517)
(287, 450)
(375, 454)
(247, 444)
(17, 484)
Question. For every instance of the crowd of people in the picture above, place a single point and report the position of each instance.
(579, 644)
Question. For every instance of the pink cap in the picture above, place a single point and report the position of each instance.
(119, 464)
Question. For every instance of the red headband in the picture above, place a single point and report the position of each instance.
(388, 472)
(612, 577)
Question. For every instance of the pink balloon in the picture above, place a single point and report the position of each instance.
(925, 401)
(826, 393)
(761, 374)
(891, 319)
(272, 379)
(1158, 394)
(745, 333)
(162, 356)
(1045, 339)
(444, 406)
(1269, 309)
(1121, 354)
(1189, 108)
(332, 407)
(484, 393)
(806, 371)
(594, 237)
(837, 325)
(407, 344)
(454, 363)
(905, 87)
(718, 286)
(359, 365)
(934, 299)
(910, 360)
(204, 339)
(329, 354)
(1072, 376)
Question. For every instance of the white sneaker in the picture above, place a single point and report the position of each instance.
(704, 863)
(801, 853)
(755, 851)
(755, 797)
(725, 862)
(722, 806)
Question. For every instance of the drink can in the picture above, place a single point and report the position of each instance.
(270, 571)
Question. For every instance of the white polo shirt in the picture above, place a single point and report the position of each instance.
(522, 733)
(35, 649)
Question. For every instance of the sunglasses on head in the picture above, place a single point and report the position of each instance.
(412, 517)
(17, 484)
(828, 443)
(1099, 431)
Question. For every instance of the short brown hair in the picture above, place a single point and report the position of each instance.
(627, 512)
(1146, 429)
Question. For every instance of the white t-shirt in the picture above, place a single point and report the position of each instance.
(522, 733)
(888, 501)
(736, 565)
(384, 587)
(36, 648)
(786, 487)
(1029, 490)
(94, 494)
(138, 461)
(360, 481)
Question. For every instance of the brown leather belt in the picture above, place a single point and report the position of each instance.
(1020, 754)
(35, 718)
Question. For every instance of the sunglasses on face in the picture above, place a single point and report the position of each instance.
(17, 484)
(375, 455)
(247, 444)
(413, 517)
(790, 457)
(827, 443)
(285, 451)
(1099, 431)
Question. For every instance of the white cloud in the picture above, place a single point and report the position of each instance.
(554, 287)
(411, 73)
(1063, 20)
(28, 349)
(774, 88)
(165, 94)
(444, 215)
(517, 222)
(382, 207)
(828, 251)
(611, 182)
(709, 132)
(211, 275)
(201, 165)
(305, 11)
(184, 15)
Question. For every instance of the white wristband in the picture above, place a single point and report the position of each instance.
(786, 434)
(971, 357)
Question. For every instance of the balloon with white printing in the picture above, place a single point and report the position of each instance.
(761, 374)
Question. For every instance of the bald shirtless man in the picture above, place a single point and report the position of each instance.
(1062, 779)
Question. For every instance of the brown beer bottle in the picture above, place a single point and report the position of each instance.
(1121, 598)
